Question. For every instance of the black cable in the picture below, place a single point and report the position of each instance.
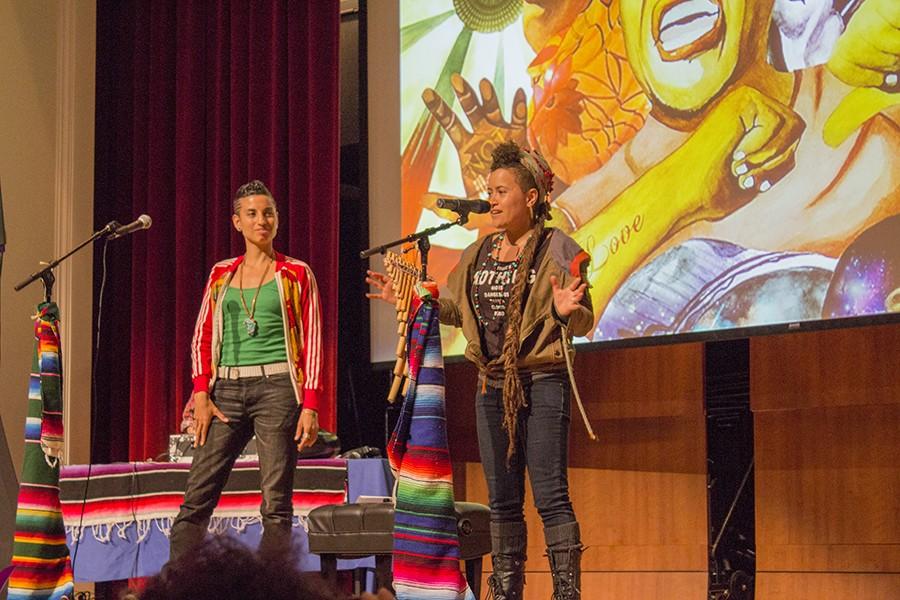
(96, 357)
(353, 406)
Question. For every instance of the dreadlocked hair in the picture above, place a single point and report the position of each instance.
(513, 394)
(508, 155)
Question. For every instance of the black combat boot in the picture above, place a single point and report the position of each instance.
(564, 551)
(508, 542)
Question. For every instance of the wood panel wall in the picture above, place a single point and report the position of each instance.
(826, 410)
(827, 442)
(640, 493)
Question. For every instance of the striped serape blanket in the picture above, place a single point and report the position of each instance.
(41, 566)
(426, 546)
(119, 495)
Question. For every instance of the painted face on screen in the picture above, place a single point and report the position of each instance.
(257, 219)
(509, 203)
(684, 52)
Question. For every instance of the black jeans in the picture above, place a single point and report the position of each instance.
(262, 405)
(542, 446)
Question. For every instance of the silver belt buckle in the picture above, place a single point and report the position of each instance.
(233, 373)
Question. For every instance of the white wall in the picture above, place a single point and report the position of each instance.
(47, 62)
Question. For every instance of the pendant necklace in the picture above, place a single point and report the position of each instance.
(250, 323)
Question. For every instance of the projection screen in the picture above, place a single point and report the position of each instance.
(728, 164)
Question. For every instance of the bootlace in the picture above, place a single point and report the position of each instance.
(564, 579)
(494, 588)
(563, 589)
(495, 579)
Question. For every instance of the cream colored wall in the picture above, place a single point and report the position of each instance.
(384, 157)
(47, 61)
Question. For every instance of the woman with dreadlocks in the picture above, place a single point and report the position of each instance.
(518, 296)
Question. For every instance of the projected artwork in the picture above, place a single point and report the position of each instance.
(726, 163)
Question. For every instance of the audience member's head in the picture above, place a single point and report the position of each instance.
(225, 568)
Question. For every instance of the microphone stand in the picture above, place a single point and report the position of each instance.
(46, 274)
(421, 239)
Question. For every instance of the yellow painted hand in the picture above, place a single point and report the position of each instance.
(868, 53)
(744, 146)
(866, 56)
(489, 128)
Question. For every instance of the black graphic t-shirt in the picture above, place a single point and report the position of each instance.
(491, 284)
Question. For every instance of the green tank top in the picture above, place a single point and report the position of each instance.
(267, 346)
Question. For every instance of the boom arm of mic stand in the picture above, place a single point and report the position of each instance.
(46, 274)
(413, 237)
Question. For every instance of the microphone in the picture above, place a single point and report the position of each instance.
(142, 222)
(464, 207)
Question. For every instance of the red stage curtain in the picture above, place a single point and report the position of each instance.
(194, 99)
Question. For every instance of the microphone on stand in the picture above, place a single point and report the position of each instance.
(142, 222)
(464, 207)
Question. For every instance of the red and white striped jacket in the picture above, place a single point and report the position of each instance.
(301, 315)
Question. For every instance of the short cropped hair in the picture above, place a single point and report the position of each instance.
(251, 188)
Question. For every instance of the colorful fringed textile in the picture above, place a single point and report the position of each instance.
(41, 567)
(426, 546)
(122, 494)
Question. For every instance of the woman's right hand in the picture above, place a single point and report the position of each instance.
(384, 286)
(204, 411)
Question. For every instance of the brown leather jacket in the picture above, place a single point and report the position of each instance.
(541, 333)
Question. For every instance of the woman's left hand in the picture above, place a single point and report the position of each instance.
(307, 428)
(567, 299)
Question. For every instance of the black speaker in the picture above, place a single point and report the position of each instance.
(730, 493)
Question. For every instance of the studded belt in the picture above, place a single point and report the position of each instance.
(255, 370)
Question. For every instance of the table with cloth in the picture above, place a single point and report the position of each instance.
(118, 516)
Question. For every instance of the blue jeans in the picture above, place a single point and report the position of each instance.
(542, 446)
(267, 407)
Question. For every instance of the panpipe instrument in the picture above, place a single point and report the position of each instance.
(404, 275)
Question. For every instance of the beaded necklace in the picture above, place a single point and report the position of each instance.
(495, 250)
